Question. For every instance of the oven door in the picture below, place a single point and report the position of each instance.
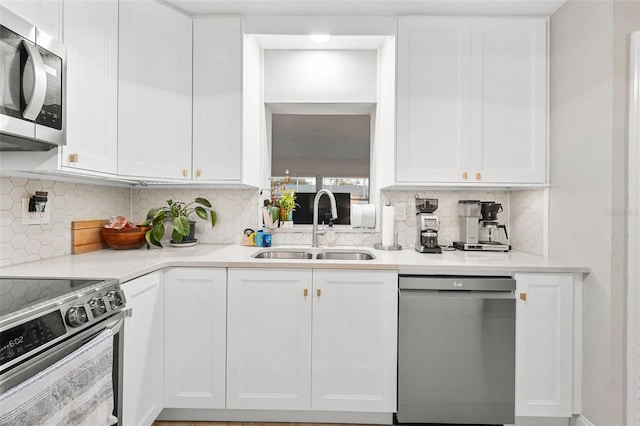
(31, 91)
(29, 368)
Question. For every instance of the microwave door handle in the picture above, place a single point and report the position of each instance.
(38, 90)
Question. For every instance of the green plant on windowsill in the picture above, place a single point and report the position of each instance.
(287, 204)
(178, 213)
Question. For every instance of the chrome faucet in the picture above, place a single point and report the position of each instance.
(334, 214)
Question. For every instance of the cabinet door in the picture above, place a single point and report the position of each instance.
(354, 340)
(91, 37)
(544, 367)
(154, 105)
(217, 99)
(509, 91)
(195, 337)
(269, 339)
(433, 72)
(45, 14)
(143, 346)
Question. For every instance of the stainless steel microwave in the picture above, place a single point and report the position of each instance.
(32, 97)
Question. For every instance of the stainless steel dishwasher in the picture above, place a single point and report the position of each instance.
(456, 350)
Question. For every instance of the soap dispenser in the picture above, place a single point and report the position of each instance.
(330, 235)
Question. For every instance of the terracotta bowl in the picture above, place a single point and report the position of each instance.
(125, 239)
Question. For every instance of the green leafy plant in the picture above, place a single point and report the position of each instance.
(178, 213)
(287, 202)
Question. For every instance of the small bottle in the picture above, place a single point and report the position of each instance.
(330, 235)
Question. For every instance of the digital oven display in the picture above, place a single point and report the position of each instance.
(30, 335)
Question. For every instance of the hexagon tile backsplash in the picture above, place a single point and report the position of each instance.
(237, 209)
(66, 202)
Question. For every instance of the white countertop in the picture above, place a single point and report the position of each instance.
(128, 264)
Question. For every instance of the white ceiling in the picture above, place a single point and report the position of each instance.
(367, 7)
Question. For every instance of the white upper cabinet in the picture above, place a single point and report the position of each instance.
(472, 100)
(217, 99)
(509, 107)
(91, 37)
(434, 93)
(45, 14)
(154, 105)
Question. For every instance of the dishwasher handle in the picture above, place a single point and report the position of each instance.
(456, 283)
(447, 294)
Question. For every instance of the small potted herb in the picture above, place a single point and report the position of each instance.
(178, 213)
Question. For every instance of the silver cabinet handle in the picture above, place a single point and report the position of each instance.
(35, 91)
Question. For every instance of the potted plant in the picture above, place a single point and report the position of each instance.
(287, 204)
(178, 213)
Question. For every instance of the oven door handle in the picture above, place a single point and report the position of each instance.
(114, 324)
(34, 91)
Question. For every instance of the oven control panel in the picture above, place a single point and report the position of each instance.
(94, 307)
(28, 336)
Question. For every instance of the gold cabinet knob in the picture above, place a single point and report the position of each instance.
(198, 173)
(319, 292)
(465, 176)
(185, 172)
(523, 296)
(478, 176)
(73, 158)
(306, 292)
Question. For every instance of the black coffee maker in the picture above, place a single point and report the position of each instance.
(490, 227)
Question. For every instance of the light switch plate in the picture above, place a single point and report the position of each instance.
(401, 211)
(35, 218)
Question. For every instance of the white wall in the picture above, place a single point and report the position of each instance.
(587, 173)
(329, 76)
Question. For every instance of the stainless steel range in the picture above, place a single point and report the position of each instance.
(42, 320)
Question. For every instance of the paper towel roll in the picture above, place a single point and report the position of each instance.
(363, 216)
(388, 225)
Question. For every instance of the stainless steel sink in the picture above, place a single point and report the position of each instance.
(345, 255)
(283, 254)
(317, 254)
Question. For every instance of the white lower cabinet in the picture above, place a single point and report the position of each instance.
(143, 359)
(548, 345)
(195, 337)
(269, 339)
(311, 340)
(354, 349)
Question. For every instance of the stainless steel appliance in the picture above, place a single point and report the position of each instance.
(428, 225)
(456, 350)
(479, 227)
(32, 90)
(43, 320)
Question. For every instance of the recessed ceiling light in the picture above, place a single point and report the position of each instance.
(320, 38)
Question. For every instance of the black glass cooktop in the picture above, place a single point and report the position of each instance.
(17, 294)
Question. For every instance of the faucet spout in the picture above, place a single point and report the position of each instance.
(334, 213)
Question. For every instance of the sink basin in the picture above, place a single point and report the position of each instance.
(345, 255)
(283, 254)
(308, 254)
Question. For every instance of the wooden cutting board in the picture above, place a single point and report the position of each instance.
(85, 236)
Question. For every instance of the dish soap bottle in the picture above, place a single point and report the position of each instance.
(330, 235)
